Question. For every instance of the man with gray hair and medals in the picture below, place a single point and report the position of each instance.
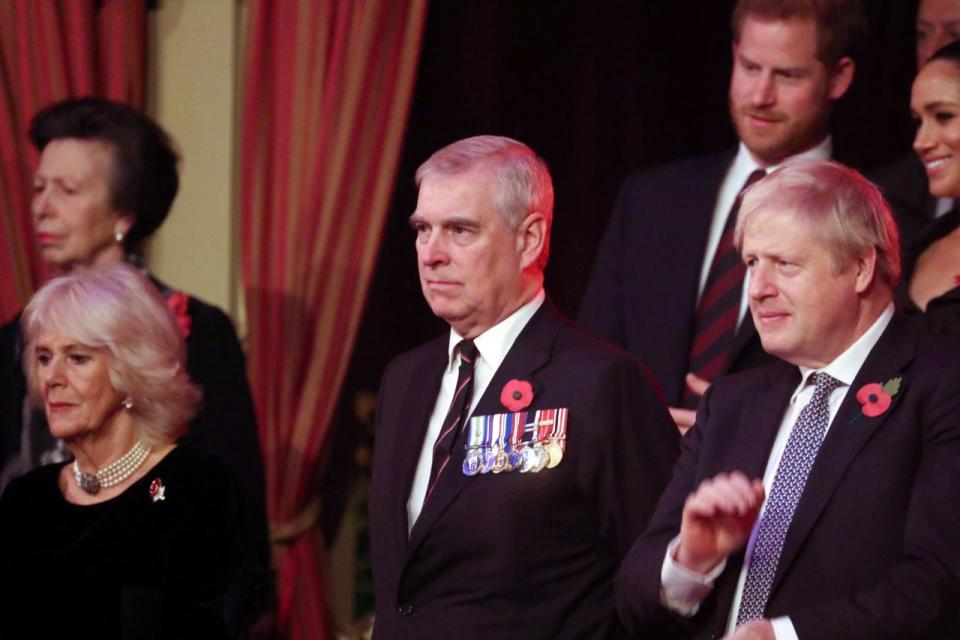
(516, 457)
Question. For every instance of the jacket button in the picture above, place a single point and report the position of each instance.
(405, 609)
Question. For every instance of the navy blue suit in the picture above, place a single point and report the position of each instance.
(643, 289)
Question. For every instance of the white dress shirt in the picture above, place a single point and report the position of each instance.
(492, 347)
(743, 165)
(683, 590)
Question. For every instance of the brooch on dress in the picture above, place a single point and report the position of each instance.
(157, 490)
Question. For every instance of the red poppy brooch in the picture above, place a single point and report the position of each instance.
(876, 398)
(157, 490)
(516, 395)
(178, 302)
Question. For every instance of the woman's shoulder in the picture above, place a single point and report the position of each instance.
(202, 311)
(193, 313)
(188, 459)
(212, 341)
(192, 472)
(933, 231)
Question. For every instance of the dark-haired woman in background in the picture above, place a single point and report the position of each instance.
(137, 537)
(931, 276)
(105, 181)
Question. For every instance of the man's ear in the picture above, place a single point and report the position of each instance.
(531, 239)
(841, 77)
(866, 266)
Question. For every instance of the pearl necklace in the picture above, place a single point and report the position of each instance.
(114, 473)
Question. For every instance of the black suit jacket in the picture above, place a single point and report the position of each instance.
(514, 555)
(642, 293)
(872, 549)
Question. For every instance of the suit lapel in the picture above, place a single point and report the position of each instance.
(849, 432)
(701, 205)
(527, 355)
(671, 303)
(762, 417)
(411, 428)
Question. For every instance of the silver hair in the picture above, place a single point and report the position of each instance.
(116, 308)
(522, 183)
(845, 209)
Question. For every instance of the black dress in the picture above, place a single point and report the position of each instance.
(153, 562)
(943, 312)
(226, 425)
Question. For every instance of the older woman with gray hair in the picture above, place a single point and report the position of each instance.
(136, 537)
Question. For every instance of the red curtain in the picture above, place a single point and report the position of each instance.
(50, 50)
(327, 86)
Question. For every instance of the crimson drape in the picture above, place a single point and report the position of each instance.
(327, 86)
(50, 50)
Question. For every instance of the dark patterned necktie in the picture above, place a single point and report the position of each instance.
(795, 464)
(456, 415)
(719, 307)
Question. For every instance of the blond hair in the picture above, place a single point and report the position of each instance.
(117, 309)
(845, 209)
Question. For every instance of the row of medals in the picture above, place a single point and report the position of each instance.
(526, 457)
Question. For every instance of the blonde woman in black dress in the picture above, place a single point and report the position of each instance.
(137, 536)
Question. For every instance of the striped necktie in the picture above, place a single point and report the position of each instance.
(456, 415)
(719, 307)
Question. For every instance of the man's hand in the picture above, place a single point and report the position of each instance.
(686, 417)
(756, 630)
(717, 520)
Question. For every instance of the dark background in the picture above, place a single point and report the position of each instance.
(597, 89)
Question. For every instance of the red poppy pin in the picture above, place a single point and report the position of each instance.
(178, 302)
(876, 398)
(157, 490)
(516, 395)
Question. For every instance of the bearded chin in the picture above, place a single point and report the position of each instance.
(789, 137)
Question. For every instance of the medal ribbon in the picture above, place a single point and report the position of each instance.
(520, 428)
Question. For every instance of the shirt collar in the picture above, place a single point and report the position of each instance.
(494, 343)
(846, 366)
(744, 164)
